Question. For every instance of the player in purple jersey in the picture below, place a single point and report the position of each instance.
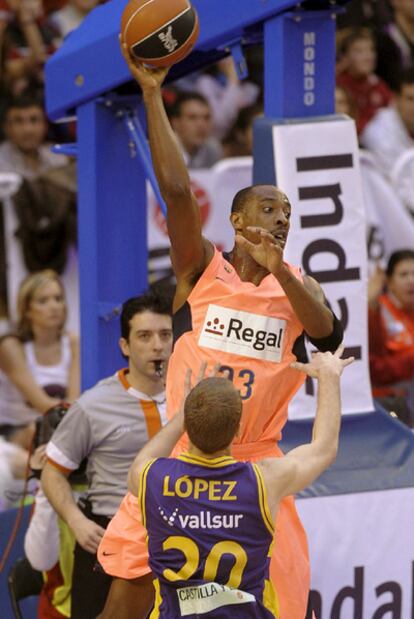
(210, 518)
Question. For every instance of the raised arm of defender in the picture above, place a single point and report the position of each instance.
(302, 465)
(190, 252)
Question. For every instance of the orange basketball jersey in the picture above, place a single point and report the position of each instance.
(250, 330)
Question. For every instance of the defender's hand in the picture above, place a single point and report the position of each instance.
(149, 78)
(266, 251)
(324, 364)
(201, 375)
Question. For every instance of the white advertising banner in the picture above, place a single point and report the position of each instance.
(362, 554)
(317, 165)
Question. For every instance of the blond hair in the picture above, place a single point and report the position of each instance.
(212, 414)
(27, 289)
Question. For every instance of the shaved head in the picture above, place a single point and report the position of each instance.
(243, 197)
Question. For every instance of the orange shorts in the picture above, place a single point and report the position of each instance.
(123, 550)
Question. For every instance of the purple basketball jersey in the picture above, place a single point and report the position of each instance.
(209, 533)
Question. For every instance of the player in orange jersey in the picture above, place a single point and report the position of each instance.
(248, 309)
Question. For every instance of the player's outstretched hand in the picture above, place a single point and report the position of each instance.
(189, 383)
(201, 374)
(149, 78)
(324, 364)
(265, 249)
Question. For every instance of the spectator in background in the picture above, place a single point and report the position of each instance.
(39, 363)
(45, 204)
(239, 140)
(344, 103)
(396, 43)
(15, 442)
(190, 118)
(391, 335)
(107, 424)
(29, 40)
(71, 15)
(391, 132)
(226, 94)
(356, 65)
(24, 151)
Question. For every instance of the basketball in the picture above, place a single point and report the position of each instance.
(159, 32)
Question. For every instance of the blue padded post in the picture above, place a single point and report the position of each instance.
(112, 235)
(299, 64)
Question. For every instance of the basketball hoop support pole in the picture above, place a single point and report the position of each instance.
(112, 235)
(299, 77)
(299, 64)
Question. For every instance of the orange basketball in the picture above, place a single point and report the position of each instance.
(159, 32)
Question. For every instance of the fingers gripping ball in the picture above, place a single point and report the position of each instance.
(159, 32)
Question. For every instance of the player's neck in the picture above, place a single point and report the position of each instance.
(194, 451)
(246, 267)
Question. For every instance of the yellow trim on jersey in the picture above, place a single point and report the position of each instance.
(264, 507)
(158, 600)
(270, 551)
(271, 599)
(212, 463)
(143, 489)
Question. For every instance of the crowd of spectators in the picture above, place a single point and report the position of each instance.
(375, 86)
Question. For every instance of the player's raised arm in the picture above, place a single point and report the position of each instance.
(302, 465)
(190, 252)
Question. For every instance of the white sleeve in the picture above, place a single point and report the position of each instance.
(385, 139)
(41, 543)
(402, 177)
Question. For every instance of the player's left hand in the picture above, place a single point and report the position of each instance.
(324, 364)
(149, 78)
(201, 375)
(189, 383)
(266, 251)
